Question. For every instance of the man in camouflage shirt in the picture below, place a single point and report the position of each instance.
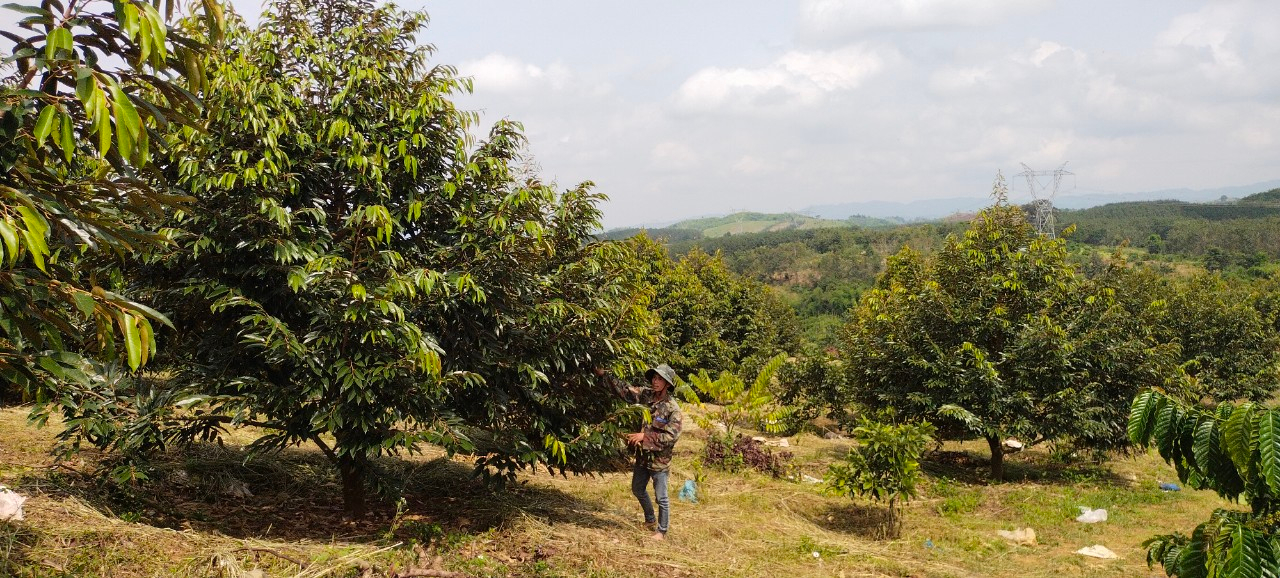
(654, 443)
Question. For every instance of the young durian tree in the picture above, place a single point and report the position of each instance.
(358, 273)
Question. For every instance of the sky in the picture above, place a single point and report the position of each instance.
(677, 109)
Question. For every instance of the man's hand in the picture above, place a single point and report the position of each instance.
(599, 371)
(634, 439)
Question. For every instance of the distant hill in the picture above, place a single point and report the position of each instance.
(932, 209)
(1246, 224)
(747, 222)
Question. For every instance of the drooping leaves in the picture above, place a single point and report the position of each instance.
(76, 192)
(1231, 450)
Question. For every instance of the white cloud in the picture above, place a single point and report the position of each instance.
(1215, 28)
(796, 78)
(701, 126)
(501, 73)
(672, 155)
(753, 165)
(843, 18)
(952, 79)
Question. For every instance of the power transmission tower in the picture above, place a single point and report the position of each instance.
(1046, 224)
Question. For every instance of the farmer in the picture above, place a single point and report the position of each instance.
(653, 443)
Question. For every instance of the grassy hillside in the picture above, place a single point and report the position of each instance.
(206, 512)
(744, 223)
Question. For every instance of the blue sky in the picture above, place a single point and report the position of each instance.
(677, 109)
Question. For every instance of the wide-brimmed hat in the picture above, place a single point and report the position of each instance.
(665, 371)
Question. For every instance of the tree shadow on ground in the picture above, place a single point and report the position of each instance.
(1033, 466)
(295, 495)
(863, 520)
(16, 538)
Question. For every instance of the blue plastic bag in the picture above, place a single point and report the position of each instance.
(689, 492)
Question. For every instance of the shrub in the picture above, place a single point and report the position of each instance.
(885, 466)
(733, 453)
(741, 405)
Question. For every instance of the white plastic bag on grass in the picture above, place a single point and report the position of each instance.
(1091, 516)
(10, 505)
(1097, 551)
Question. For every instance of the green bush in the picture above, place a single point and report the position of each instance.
(885, 466)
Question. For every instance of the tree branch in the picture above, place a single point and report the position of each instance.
(328, 451)
(233, 421)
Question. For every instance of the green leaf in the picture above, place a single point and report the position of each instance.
(84, 302)
(44, 123)
(59, 39)
(9, 235)
(1238, 438)
(1269, 448)
(1167, 431)
(34, 232)
(25, 9)
(67, 142)
(132, 339)
(128, 125)
(1244, 559)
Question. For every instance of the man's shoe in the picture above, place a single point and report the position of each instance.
(651, 526)
(659, 536)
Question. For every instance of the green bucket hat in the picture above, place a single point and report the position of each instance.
(665, 371)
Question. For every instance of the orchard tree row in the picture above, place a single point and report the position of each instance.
(999, 334)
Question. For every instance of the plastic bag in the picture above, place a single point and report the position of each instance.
(689, 492)
(1097, 551)
(10, 505)
(1091, 516)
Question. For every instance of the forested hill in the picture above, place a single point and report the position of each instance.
(821, 267)
(1246, 226)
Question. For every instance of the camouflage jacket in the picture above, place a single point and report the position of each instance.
(664, 426)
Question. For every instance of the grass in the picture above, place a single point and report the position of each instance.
(192, 518)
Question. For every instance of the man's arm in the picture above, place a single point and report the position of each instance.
(621, 388)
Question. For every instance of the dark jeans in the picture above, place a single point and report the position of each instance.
(640, 476)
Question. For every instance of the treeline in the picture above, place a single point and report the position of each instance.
(999, 333)
(1245, 227)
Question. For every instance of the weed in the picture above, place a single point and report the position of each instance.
(741, 451)
(808, 547)
(957, 499)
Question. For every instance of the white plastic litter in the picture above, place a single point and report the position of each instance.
(1020, 536)
(808, 479)
(1097, 551)
(1091, 516)
(10, 505)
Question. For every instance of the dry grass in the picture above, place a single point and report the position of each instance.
(187, 522)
